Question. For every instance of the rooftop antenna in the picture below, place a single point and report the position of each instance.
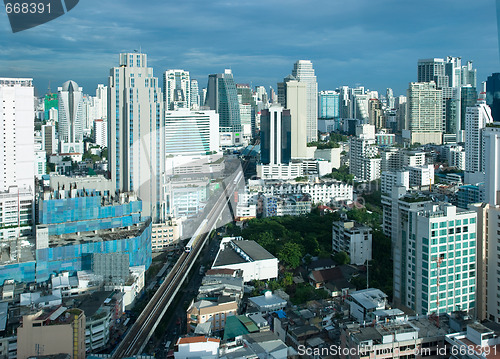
(49, 88)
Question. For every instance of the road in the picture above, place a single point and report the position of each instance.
(139, 334)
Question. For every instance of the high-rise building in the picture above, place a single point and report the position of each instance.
(222, 97)
(16, 133)
(191, 132)
(375, 113)
(101, 102)
(328, 105)
(424, 113)
(101, 132)
(493, 95)
(468, 98)
(476, 119)
(71, 118)
(275, 135)
(432, 70)
(303, 72)
(364, 162)
(50, 102)
(440, 271)
(453, 69)
(390, 100)
(262, 94)
(195, 95)
(136, 153)
(49, 143)
(452, 110)
(176, 89)
(296, 102)
(491, 162)
(247, 110)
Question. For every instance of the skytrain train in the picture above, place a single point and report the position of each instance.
(195, 236)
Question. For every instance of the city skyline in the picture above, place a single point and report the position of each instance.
(376, 45)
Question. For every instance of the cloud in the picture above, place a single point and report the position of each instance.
(360, 41)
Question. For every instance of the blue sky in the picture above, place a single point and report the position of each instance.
(352, 42)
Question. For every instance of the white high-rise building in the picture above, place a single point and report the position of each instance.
(177, 89)
(191, 132)
(424, 113)
(17, 133)
(71, 118)
(195, 95)
(101, 102)
(476, 118)
(101, 132)
(364, 162)
(136, 134)
(303, 72)
(17, 159)
(491, 162)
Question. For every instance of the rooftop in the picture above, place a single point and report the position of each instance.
(101, 236)
(267, 301)
(369, 298)
(200, 339)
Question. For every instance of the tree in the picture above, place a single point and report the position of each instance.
(341, 258)
(291, 255)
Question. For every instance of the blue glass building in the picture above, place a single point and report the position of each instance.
(78, 224)
(329, 105)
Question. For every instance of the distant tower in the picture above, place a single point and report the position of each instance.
(195, 95)
(136, 154)
(275, 133)
(222, 97)
(425, 113)
(71, 118)
(328, 104)
(391, 101)
(493, 95)
(476, 118)
(176, 87)
(432, 70)
(303, 72)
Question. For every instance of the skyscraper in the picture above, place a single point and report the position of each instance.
(329, 102)
(176, 89)
(136, 131)
(296, 102)
(493, 95)
(71, 118)
(195, 95)
(491, 162)
(101, 102)
(432, 70)
(303, 72)
(468, 98)
(16, 133)
(391, 101)
(424, 113)
(275, 135)
(247, 110)
(17, 162)
(223, 98)
(435, 240)
(476, 118)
